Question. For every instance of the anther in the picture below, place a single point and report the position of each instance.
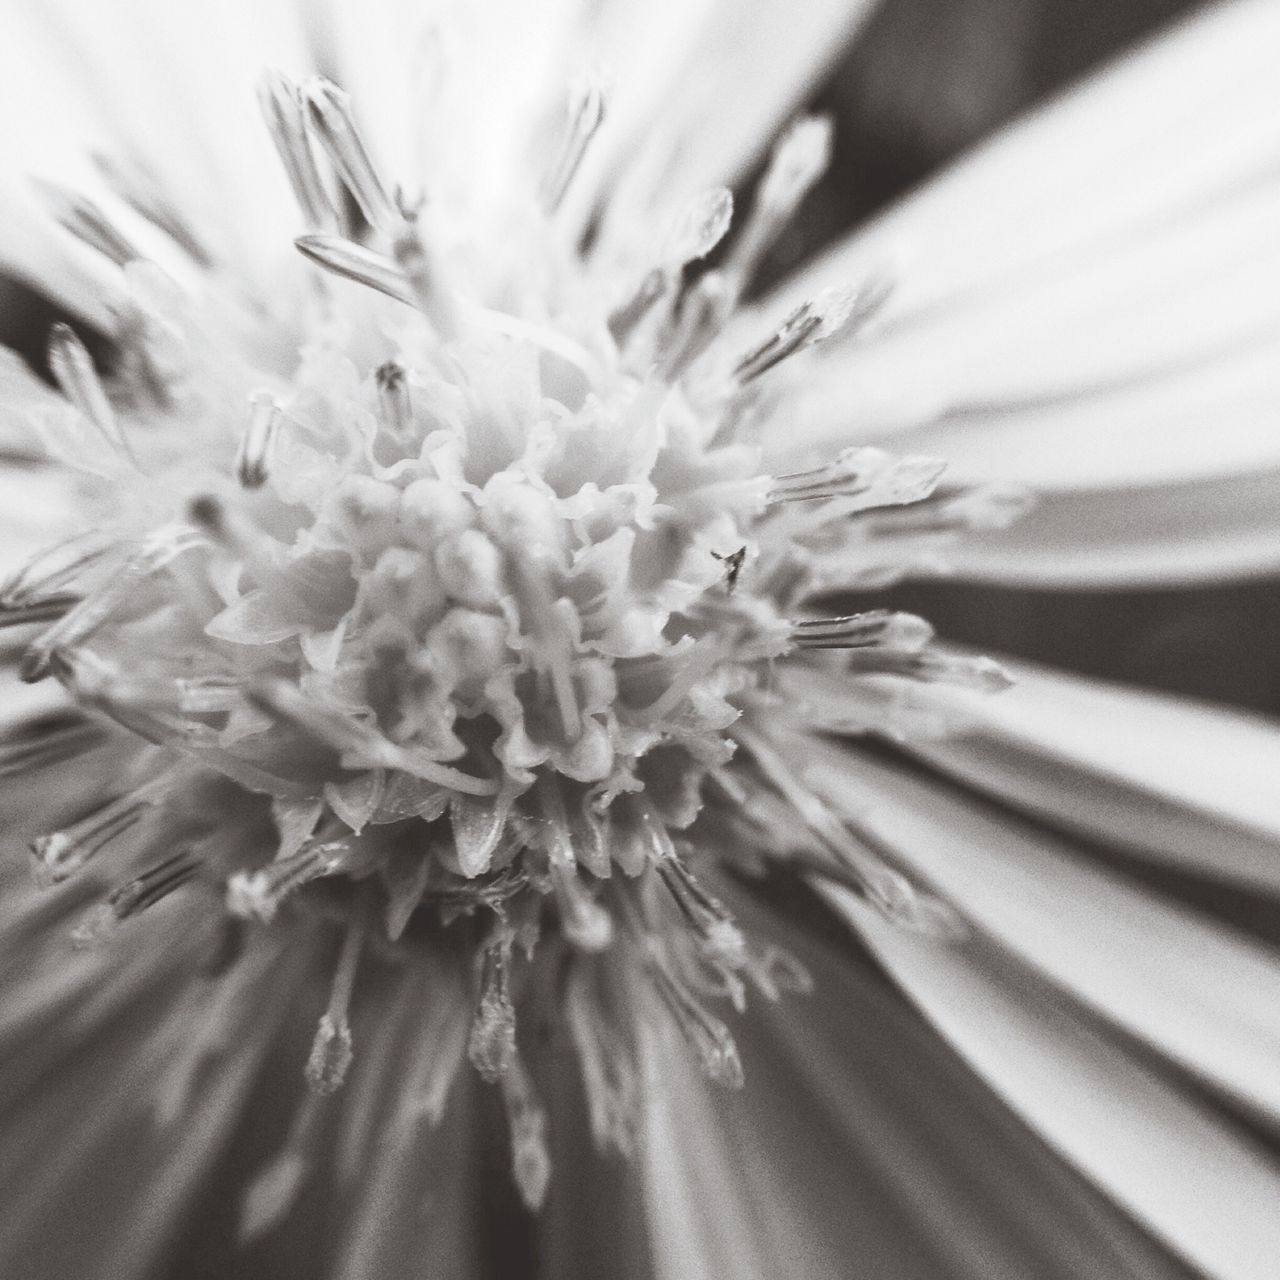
(136, 895)
(331, 1053)
(281, 104)
(423, 276)
(491, 1045)
(332, 120)
(708, 1036)
(800, 158)
(393, 397)
(86, 221)
(530, 1160)
(77, 379)
(345, 258)
(586, 111)
(60, 854)
(141, 191)
(253, 456)
(257, 895)
(879, 629)
(698, 228)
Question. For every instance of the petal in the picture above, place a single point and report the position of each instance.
(1201, 993)
(699, 111)
(1168, 779)
(1090, 299)
(93, 1183)
(172, 87)
(1200, 531)
(862, 1145)
(1178, 1166)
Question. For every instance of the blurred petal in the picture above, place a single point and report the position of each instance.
(1202, 531)
(861, 1142)
(1091, 299)
(170, 87)
(1202, 993)
(1197, 1182)
(1168, 779)
(726, 92)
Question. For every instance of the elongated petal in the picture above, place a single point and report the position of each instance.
(723, 98)
(169, 89)
(1090, 300)
(1200, 992)
(1176, 1165)
(1201, 531)
(861, 1141)
(1171, 780)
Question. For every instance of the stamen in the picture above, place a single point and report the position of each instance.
(586, 923)
(77, 379)
(491, 1045)
(393, 397)
(721, 937)
(588, 99)
(86, 221)
(423, 275)
(610, 1075)
(708, 1036)
(800, 158)
(359, 745)
(812, 322)
(698, 228)
(60, 854)
(79, 623)
(703, 311)
(281, 103)
(934, 667)
(253, 457)
(46, 609)
(623, 321)
(862, 859)
(136, 895)
(979, 508)
(141, 191)
(331, 118)
(698, 662)
(274, 1189)
(878, 628)
(354, 262)
(527, 1118)
(53, 567)
(331, 1050)
(884, 478)
(42, 740)
(257, 895)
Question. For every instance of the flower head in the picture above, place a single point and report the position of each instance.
(441, 633)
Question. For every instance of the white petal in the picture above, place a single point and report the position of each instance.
(1090, 299)
(170, 85)
(860, 1141)
(1172, 780)
(1170, 1161)
(700, 114)
(1203, 531)
(1204, 995)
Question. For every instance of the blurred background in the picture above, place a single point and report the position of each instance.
(926, 80)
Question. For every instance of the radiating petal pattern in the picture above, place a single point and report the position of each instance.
(1108, 1112)
(1090, 300)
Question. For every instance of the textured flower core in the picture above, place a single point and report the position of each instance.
(482, 615)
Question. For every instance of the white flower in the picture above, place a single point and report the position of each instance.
(426, 692)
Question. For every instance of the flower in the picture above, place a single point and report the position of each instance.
(429, 699)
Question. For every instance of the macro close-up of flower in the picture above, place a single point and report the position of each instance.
(482, 796)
